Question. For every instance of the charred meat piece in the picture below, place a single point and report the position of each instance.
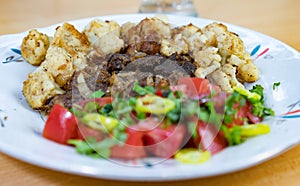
(83, 83)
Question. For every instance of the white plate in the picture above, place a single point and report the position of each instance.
(20, 130)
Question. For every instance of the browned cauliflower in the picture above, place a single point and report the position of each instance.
(65, 55)
(34, 47)
(39, 87)
(174, 45)
(232, 50)
(104, 35)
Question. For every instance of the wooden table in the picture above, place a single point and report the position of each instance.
(277, 18)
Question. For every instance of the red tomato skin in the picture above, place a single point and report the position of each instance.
(164, 142)
(85, 131)
(133, 147)
(61, 125)
(244, 113)
(196, 88)
(210, 138)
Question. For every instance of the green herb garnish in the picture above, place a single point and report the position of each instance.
(275, 85)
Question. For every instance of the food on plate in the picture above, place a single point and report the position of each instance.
(189, 121)
(65, 55)
(145, 90)
(104, 49)
(34, 47)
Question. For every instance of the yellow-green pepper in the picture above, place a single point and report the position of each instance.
(154, 104)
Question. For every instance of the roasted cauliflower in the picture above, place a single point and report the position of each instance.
(105, 36)
(39, 88)
(34, 47)
(65, 54)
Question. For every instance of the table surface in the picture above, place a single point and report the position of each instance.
(277, 18)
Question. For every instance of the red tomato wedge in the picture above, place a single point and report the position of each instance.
(244, 113)
(210, 138)
(61, 125)
(196, 88)
(133, 147)
(164, 142)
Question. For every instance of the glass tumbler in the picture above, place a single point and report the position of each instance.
(180, 7)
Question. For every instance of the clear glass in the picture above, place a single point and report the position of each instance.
(180, 7)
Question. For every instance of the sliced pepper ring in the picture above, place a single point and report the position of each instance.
(154, 104)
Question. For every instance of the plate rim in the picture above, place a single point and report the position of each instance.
(14, 153)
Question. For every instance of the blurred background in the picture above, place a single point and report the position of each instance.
(276, 18)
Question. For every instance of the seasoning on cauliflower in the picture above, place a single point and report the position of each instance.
(174, 45)
(104, 35)
(65, 55)
(248, 72)
(230, 71)
(218, 77)
(39, 87)
(59, 64)
(203, 72)
(98, 28)
(34, 47)
(232, 51)
(206, 56)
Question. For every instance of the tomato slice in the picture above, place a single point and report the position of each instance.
(244, 113)
(61, 125)
(196, 88)
(133, 147)
(164, 142)
(209, 138)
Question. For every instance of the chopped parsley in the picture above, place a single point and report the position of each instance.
(276, 85)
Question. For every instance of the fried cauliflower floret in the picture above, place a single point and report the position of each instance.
(230, 71)
(188, 30)
(236, 61)
(66, 53)
(76, 44)
(39, 87)
(105, 36)
(109, 43)
(203, 72)
(218, 77)
(174, 45)
(69, 38)
(127, 30)
(98, 28)
(248, 72)
(193, 37)
(154, 29)
(227, 42)
(206, 56)
(232, 50)
(146, 36)
(59, 64)
(34, 47)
